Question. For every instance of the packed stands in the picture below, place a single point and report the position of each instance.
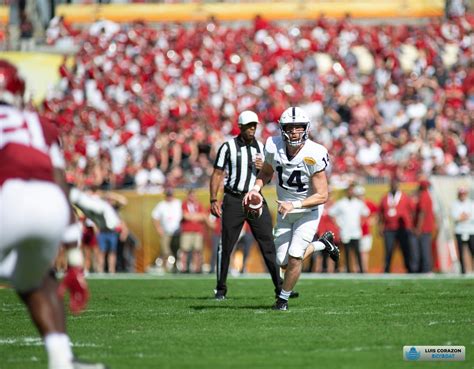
(386, 99)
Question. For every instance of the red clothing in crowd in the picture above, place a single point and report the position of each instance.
(365, 225)
(396, 211)
(192, 207)
(469, 140)
(425, 205)
(327, 224)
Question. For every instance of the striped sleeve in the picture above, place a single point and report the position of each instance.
(222, 154)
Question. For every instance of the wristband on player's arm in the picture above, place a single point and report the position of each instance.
(298, 204)
(256, 188)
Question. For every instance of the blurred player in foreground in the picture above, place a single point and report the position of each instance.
(35, 217)
(302, 190)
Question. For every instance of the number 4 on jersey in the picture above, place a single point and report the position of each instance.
(294, 180)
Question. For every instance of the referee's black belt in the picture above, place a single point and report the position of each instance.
(237, 194)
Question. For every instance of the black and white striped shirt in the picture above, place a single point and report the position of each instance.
(236, 158)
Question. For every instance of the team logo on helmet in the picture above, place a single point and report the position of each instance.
(294, 116)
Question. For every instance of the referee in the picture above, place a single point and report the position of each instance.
(240, 158)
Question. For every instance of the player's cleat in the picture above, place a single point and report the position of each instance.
(84, 365)
(281, 305)
(219, 295)
(328, 239)
(293, 295)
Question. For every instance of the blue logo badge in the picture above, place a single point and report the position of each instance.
(412, 354)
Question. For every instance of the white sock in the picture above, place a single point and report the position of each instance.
(285, 295)
(58, 347)
(318, 246)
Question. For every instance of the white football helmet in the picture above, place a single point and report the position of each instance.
(294, 116)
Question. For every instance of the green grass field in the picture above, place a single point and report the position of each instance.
(174, 323)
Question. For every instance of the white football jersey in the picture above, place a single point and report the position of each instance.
(294, 176)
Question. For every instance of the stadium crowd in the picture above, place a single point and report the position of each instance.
(146, 106)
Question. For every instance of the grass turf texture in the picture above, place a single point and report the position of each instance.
(175, 323)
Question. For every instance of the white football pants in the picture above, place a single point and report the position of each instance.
(33, 218)
(294, 233)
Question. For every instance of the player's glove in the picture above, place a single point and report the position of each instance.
(75, 282)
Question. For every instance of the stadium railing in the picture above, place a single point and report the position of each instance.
(247, 11)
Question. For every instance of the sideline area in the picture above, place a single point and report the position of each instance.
(309, 276)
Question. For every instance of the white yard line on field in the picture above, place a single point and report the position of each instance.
(36, 341)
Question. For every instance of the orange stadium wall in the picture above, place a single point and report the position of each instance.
(4, 12)
(273, 10)
(137, 214)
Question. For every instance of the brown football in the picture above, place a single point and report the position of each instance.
(253, 209)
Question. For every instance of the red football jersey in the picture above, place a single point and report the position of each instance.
(25, 145)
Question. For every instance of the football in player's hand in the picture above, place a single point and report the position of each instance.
(253, 208)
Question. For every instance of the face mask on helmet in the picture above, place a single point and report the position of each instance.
(294, 117)
(12, 86)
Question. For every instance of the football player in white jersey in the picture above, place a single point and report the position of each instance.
(302, 190)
